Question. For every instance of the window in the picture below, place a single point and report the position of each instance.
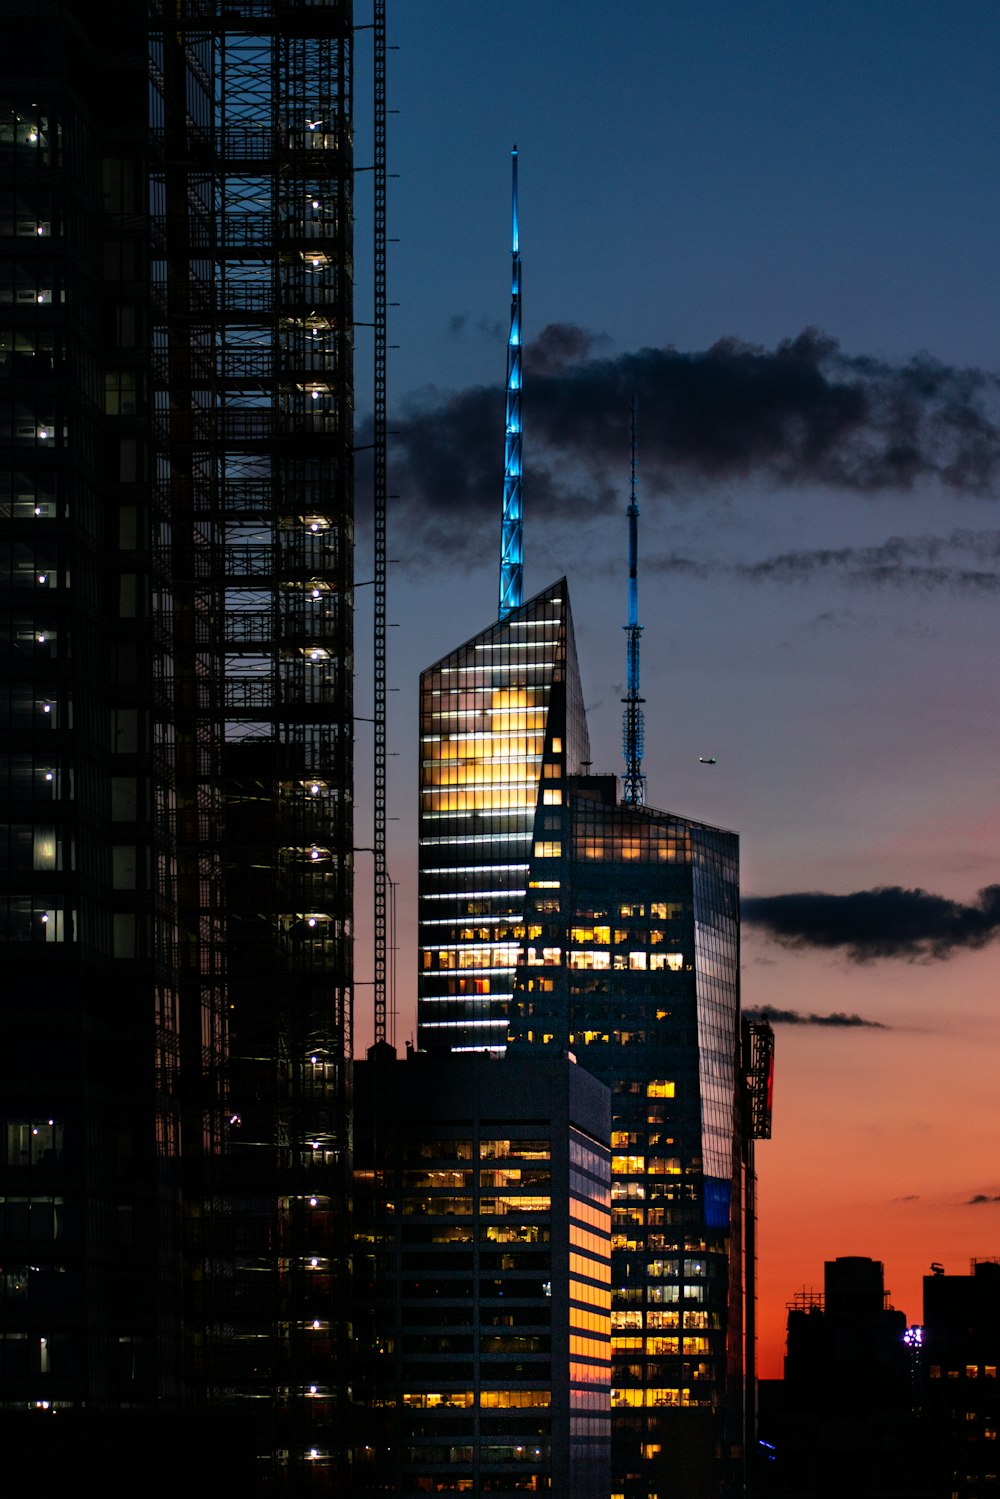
(33, 1142)
(659, 1087)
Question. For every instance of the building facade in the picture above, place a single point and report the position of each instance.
(176, 553)
(610, 930)
(483, 1276)
(637, 973)
(502, 724)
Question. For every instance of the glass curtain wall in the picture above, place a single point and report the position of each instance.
(502, 724)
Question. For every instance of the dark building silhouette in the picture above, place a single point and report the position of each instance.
(483, 1276)
(842, 1422)
(175, 566)
(960, 1395)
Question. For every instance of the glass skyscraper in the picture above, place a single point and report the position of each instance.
(637, 973)
(502, 724)
(554, 916)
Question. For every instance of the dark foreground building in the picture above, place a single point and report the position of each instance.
(960, 1393)
(483, 1295)
(555, 917)
(843, 1420)
(175, 567)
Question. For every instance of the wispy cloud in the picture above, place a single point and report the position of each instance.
(924, 564)
(799, 1017)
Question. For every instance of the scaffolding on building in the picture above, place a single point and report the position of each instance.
(255, 343)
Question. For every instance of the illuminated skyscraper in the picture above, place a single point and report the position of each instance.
(637, 973)
(612, 930)
(502, 725)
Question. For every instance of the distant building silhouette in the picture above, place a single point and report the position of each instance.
(842, 1422)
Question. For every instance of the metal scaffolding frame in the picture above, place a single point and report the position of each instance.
(257, 219)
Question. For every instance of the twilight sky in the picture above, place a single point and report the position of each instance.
(777, 225)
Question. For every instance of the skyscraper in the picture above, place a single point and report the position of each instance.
(501, 726)
(175, 225)
(642, 984)
(611, 930)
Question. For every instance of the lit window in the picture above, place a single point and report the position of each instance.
(658, 1087)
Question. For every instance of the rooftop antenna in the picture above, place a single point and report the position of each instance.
(512, 524)
(633, 726)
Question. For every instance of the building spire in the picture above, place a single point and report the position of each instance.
(512, 525)
(633, 726)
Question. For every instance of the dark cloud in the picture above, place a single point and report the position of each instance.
(919, 563)
(802, 413)
(884, 923)
(982, 1197)
(798, 1017)
(910, 1197)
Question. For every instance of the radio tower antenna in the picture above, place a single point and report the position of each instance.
(512, 525)
(633, 726)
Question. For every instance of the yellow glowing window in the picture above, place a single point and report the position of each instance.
(548, 850)
(552, 798)
(512, 1399)
(557, 746)
(453, 1398)
(551, 772)
(628, 1165)
(672, 960)
(658, 1087)
(637, 960)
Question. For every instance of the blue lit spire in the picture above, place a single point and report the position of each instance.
(633, 726)
(512, 525)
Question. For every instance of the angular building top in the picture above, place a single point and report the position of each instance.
(502, 725)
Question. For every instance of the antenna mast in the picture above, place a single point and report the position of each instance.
(633, 726)
(512, 526)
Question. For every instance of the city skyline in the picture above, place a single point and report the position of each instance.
(814, 626)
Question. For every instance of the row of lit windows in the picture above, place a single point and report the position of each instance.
(492, 1177)
(673, 962)
(640, 1165)
(653, 1396)
(661, 1347)
(631, 1321)
(488, 1399)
